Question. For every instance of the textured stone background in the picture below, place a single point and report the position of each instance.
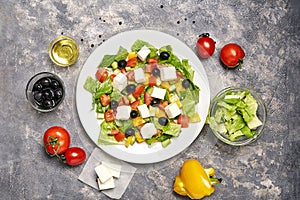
(267, 30)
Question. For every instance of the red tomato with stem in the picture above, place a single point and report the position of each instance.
(232, 55)
(56, 140)
(74, 156)
(205, 46)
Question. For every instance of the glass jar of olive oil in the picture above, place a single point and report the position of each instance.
(63, 51)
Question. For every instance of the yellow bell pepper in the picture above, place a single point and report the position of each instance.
(195, 181)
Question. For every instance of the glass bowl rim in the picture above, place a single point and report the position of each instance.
(39, 76)
(261, 104)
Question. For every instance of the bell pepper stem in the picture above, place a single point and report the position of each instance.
(215, 181)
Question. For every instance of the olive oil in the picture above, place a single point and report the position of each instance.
(63, 51)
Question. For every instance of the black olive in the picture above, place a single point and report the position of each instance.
(155, 102)
(163, 121)
(38, 96)
(155, 72)
(49, 103)
(48, 94)
(113, 104)
(134, 114)
(164, 55)
(129, 132)
(37, 87)
(122, 64)
(130, 88)
(45, 82)
(186, 83)
(58, 93)
(54, 84)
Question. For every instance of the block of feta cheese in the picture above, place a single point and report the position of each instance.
(109, 184)
(143, 53)
(103, 173)
(139, 75)
(144, 111)
(123, 112)
(148, 130)
(172, 110)
(114, 168)
(168, 73)
(120, 81)
(158, 93)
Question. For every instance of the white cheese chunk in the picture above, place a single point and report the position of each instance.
(168, 73)
(123, 112)
(144, 111)
(139, 75)
(148, 130)
(172, 110)
(120, 81)
(114, 168)
(103, 173)
(109, 184)
(158, 93)
(143, 53)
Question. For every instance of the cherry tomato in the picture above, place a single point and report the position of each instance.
(131, 62)
(119, 137)
(74, 156)
(205, 46)
(109, 116)
(105, 99)
(101, 74)
(152, 61)
(138, 91)
(232, 55)
(147, 98)
(135, 104)
(56, 140)
(152, 81)
(183, 120)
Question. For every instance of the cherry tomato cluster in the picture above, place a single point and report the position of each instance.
(57, 143)
(231, 54)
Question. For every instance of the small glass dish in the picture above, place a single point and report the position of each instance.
(45, 91)
(63, 51)
(261, 114)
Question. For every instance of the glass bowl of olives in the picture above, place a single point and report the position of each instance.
(45, 91)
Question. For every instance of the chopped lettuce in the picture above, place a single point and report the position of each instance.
(104, 138)
(235, 115)
(138, 44)
(107, 60)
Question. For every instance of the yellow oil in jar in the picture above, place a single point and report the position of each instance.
(63, 51)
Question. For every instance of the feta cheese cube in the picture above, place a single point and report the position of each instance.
(148, 130)
(139, 75)
(114, 168)
(168, 73)
(143, 53)
(158, 93)
(172, 110)
(109, 184)
(144, 111)
(103, 173)
(123, 112)
(120, 81)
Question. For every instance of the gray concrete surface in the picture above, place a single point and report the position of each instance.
(267, 30)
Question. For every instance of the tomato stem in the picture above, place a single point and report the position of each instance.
(204, 35)
(53, 142)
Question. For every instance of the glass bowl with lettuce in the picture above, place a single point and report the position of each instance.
(237, 116)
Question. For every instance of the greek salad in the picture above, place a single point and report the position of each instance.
(145, 94)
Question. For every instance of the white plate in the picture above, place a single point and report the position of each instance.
(141, 153)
